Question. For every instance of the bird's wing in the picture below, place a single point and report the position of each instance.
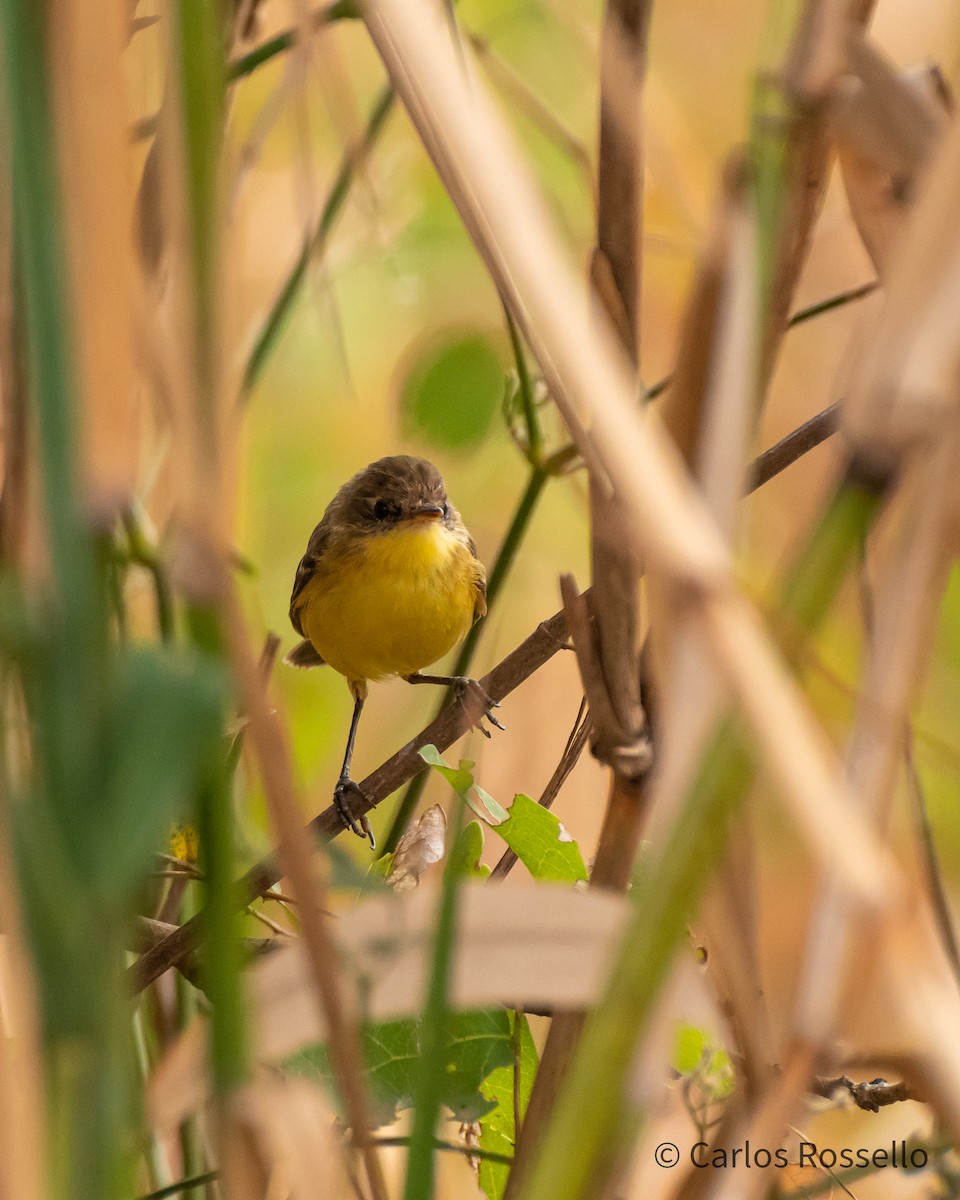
(480, 584)
(319, 540)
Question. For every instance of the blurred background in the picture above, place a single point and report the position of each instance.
(396, 343)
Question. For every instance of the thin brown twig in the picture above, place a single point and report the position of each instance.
(150, 933)
(870, 1097)
(275, 926)
(452, 723)
(514, 87)
(266, 736)
(802, 440)
(568, 760)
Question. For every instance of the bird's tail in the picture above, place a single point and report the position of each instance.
(304, 654)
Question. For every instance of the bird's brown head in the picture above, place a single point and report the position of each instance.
(392, 491)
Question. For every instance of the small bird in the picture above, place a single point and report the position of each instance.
(390, 582)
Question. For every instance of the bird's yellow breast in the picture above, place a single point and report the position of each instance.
(391, 603)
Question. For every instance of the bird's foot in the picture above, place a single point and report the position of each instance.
(345, 795)
(474, 699)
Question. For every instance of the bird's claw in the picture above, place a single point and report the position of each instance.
(346, 791)
(472, 696)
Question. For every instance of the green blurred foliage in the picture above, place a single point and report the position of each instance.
(451, 391)
(699, 1060)
(688, 1046)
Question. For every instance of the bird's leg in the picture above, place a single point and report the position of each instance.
(346, 789)
(468, 692)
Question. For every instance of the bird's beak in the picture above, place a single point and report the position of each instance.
(427, 512)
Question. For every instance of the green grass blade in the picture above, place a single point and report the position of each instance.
(419, 1183)
(199, 70)
(267, 338)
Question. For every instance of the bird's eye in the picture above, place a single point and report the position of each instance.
(381, 510)
(446, 508)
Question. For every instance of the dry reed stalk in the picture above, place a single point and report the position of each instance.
(711, 414)
(726, 423)
(905, 385)
(617, 267)
(541, 947)
(284, 1132)
(619, 736)
(707, 409)
(815, 59)
(907, 601)
(608, 645)
(478, 161)
(765, 1128)
(688, 697)
(887, 125)
(295, 854)
(87, 49)
(847, 949)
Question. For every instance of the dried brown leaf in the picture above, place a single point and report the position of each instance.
(418, 849)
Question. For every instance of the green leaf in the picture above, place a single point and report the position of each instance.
(540, 841)
(497, 1128)
(461, 780)
(480, 1044)
(493, 808)
(465, 855)
(451, 391)
(390, 1053)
